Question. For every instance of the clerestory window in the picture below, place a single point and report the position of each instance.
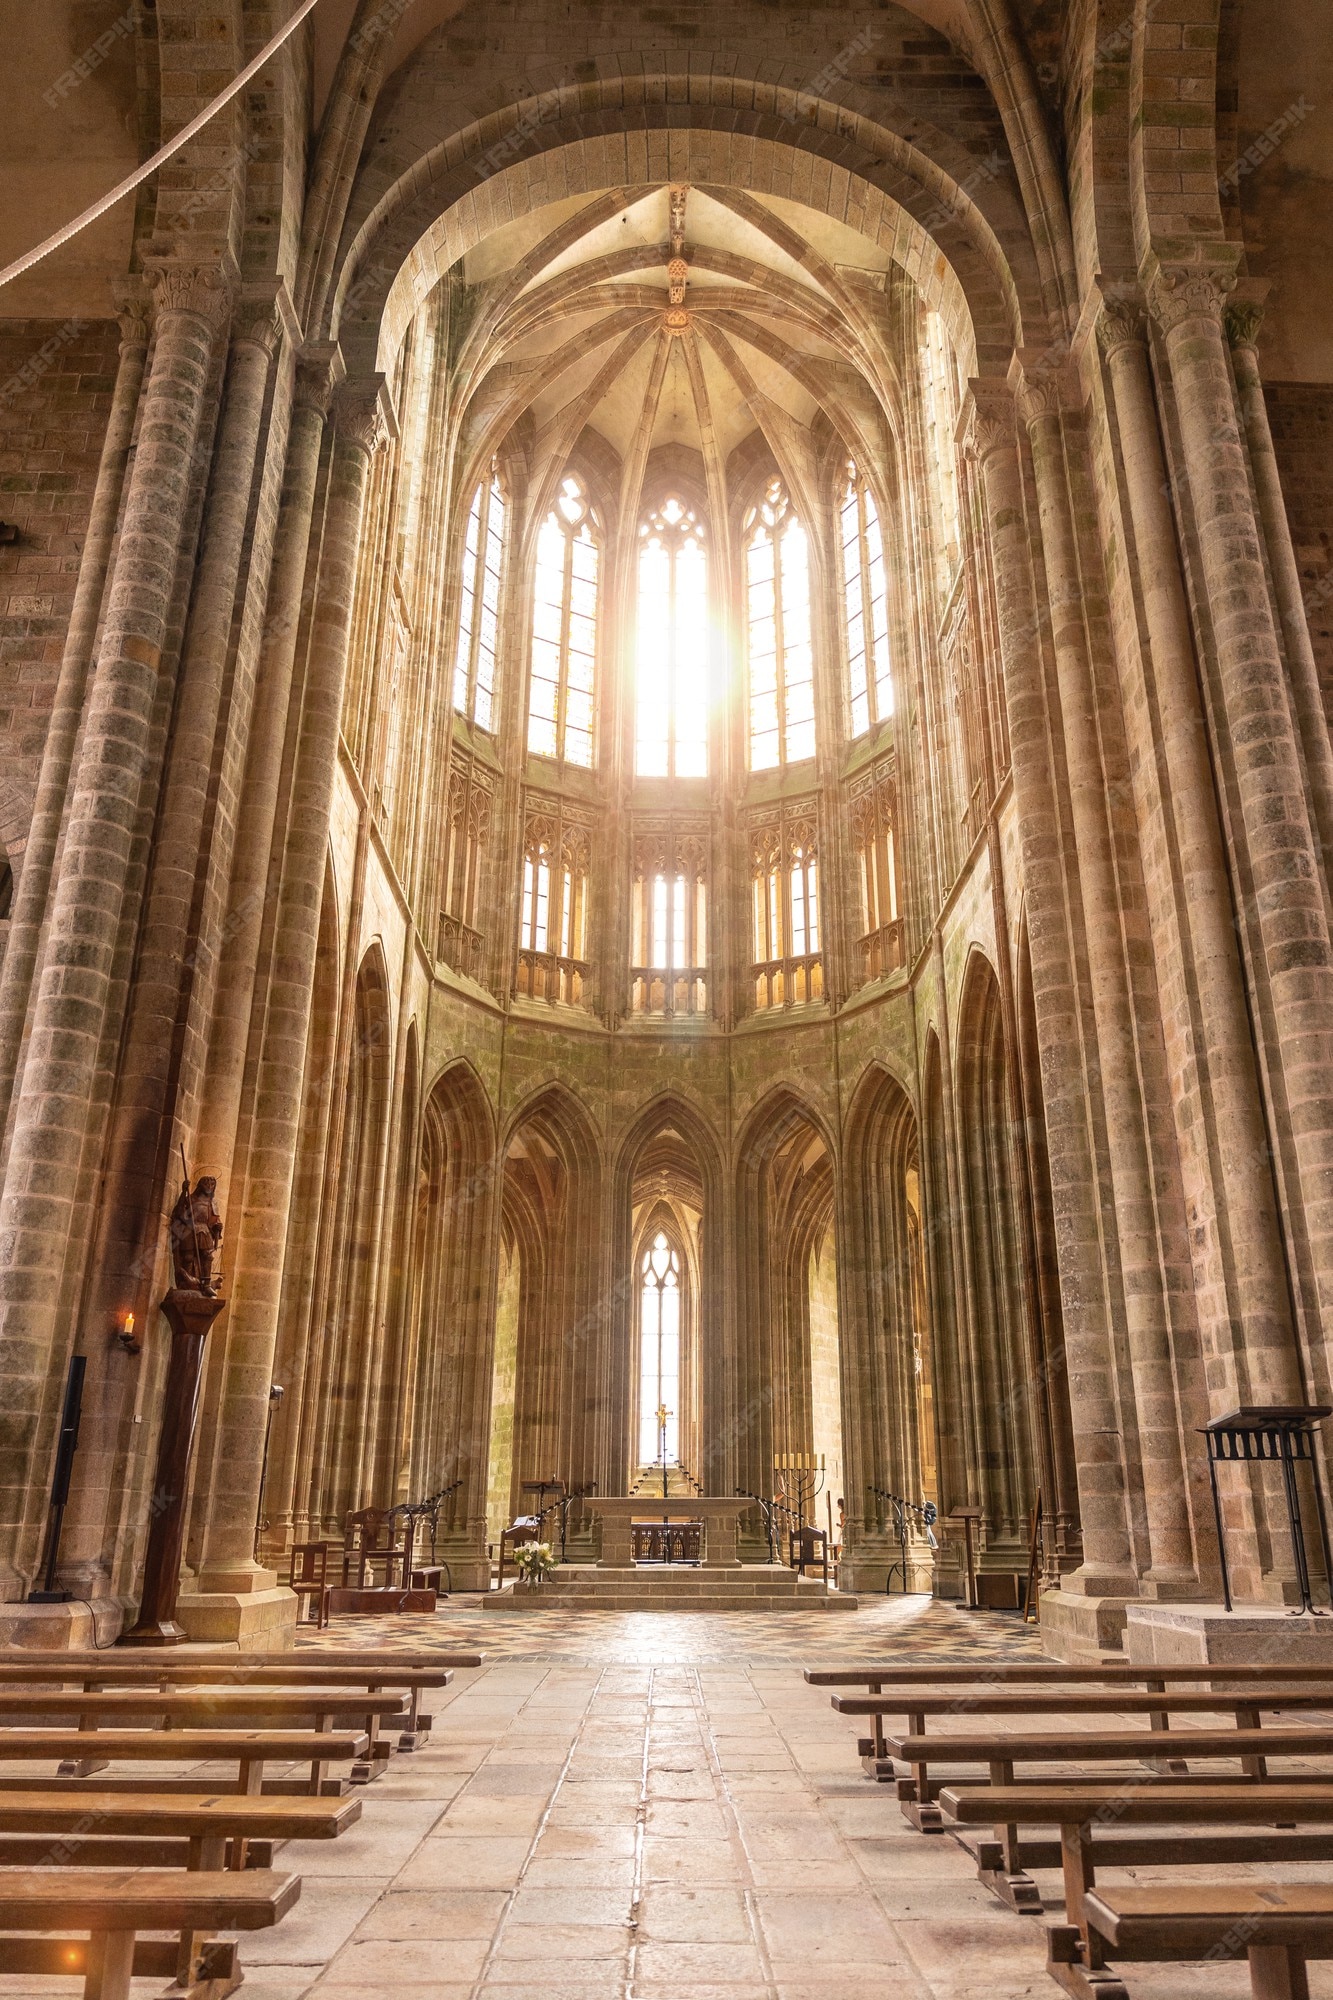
(479, 605)
(671, 676)
(865, 603)
(564, 631)
(780, 656)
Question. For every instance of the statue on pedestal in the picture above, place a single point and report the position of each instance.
(196, 1236)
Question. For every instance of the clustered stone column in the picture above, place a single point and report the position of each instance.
(34, 882)
(73, 984)
(1262, 1364)
(228, 1563)
(1288, 907)
(1108, 1566)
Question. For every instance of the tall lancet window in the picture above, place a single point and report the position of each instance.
(564, 631)
(865, 599)
(479, 605)
(671, 652)
(781, 662)
(659, 1352)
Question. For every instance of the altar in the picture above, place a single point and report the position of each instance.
(619, 1516)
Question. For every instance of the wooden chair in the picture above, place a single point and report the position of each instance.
(1279, 1927)
(807, 1548)
(115, 1905)
(309, 1579)
(1096, 1826)
(369, 1538)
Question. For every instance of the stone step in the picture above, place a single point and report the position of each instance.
(658, 1587)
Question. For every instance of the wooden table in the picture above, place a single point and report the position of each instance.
(618, 1514)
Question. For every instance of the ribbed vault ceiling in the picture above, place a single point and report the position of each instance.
(675, 316)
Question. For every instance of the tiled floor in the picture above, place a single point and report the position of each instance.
(653, 1808)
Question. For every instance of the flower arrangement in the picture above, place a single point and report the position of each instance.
(535, 1561)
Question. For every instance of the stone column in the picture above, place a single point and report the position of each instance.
(1242, 324)
(34, 881)
(228, 1564)
(1262, 1368)
(1108, 1563)
(175, 953)
(1286, 883)
(318, 373)
(1141, 1182)
(72, 989)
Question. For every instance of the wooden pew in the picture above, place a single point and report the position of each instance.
(250, 1750)
(115, 1905)
(239, 1707)
(1092, 1822)
(916, 1704)
(1006, 1673)
(160, 1830)
(414, 1674)
(1279, 1927)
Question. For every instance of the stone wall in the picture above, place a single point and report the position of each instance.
(1301, 416)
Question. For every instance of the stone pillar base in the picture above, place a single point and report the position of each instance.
(258, 1621)
(1180, 1634)
(58, 1628)
(1082, 1629)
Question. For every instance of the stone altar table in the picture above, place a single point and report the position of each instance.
(720, 1516)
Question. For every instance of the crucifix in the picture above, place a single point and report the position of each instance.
(662, 1414)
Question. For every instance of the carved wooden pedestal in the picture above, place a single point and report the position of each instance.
(189, 1315)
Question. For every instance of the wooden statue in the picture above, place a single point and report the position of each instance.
(196, 1235)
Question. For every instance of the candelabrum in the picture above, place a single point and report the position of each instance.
(800, 1477)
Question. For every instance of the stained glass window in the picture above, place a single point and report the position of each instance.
(780, 657)
(564, 631)
(479, 605)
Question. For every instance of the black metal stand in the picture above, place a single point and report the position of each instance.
(1278, 1435)
(69, 1438)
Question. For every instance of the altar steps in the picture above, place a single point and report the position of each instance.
(672, 1587)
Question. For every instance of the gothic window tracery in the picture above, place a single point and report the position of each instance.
(780, 656)
(564, 630)
(471, 797)
(479, 605)
(672, 645)
(553, 904)
(784, 879)
(874, 802)
(865, 604)
(668, 975)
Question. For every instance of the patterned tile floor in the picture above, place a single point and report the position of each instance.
(640, 1807)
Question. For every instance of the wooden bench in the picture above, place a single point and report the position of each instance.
(1278, 1926)
(1006, 1673)
(115, 1905)
(250, 1751)
(1092, 1822)
(415, 1673)
(916, 1704)
(160, 1830)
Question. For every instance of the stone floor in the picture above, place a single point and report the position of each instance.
(639, 1808)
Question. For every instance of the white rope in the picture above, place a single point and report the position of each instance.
(140, 174)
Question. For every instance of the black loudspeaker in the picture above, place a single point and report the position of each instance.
(69, 1438)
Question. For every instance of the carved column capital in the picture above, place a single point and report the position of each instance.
(986, 420)
(1243, 319)
(203, 290)
(134, 310)
(1040, 382)
(1180, 292)
(363, 415)
(1122, 320)
(320, 368)
(263, 312)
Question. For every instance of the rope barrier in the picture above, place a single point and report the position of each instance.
(164, 153)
